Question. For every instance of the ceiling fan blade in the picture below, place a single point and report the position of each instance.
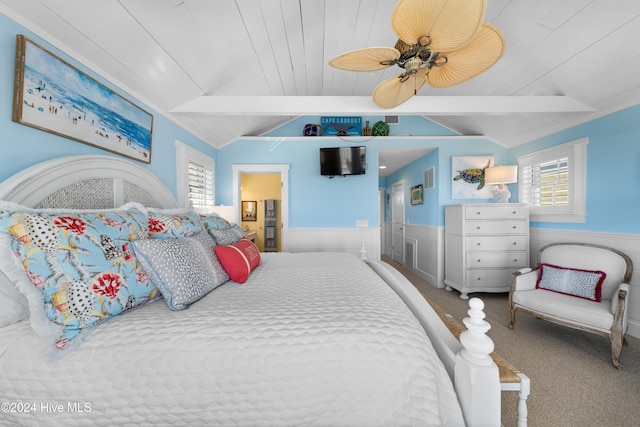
(450, 23)
(472, 59)
(367, 59)
(393, 92)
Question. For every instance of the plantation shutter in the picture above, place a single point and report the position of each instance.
(546, 184)
(201, 185)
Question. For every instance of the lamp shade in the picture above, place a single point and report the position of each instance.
(501, 175)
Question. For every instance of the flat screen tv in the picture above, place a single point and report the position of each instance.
(343, 161)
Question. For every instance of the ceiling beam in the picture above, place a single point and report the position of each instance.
(364, 105)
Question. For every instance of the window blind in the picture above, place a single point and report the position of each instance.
(546, 184)
(201, 185)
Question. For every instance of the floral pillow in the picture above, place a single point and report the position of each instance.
(172, 223)
(80, 266)
(214, 221)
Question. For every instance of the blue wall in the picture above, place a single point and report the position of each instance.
(22, 146)
(613, 171)
(613, 159)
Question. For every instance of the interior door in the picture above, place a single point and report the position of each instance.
(397, 222)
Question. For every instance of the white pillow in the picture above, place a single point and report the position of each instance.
(13, 306)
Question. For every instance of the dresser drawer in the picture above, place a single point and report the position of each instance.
(497, 227)
(478, 279)
(497, 243)
(496, 212)
(512, 259)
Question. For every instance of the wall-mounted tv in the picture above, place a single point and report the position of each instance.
(342, 161)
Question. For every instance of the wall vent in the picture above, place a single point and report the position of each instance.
(430, 178)
(392, 120)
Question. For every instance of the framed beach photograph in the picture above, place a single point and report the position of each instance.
(416, 195)
(53, 96)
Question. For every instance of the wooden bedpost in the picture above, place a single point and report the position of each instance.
(363, 250)
(474, 366)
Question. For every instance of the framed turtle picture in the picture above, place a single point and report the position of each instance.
(467, 177)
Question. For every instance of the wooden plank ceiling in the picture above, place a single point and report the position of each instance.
(168, 53)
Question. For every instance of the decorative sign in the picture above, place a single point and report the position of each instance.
(341, 126)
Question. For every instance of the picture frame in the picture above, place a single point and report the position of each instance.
(467, 177)
(249, 210)
(54, 96)
(416, 195)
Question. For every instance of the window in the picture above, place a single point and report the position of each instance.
(553, 182)
(196, 177)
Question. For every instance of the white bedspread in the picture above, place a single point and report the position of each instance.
(309, 339)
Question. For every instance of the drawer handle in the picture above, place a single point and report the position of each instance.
(478, 243)
(478, 213)
(515, 243)
(479, 278)
(515, 226)
(478, 228)
(479, 260)
(515, 260)
(514, 212)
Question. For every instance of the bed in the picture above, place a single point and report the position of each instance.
(315, 338)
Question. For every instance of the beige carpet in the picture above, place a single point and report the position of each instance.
(573, 382)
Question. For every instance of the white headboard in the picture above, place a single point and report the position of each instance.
(86, 182)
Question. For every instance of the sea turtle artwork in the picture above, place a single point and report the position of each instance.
(472, 175)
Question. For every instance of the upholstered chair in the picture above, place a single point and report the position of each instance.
(578, 285)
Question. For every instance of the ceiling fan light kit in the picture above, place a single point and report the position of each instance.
(441, 42)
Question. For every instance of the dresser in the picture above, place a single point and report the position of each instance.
(484, 243)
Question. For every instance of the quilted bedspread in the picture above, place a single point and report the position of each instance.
(309, 339)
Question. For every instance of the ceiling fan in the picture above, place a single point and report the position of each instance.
(441, 42)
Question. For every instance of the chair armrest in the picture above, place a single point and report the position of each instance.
(619, 303)
(524, 279)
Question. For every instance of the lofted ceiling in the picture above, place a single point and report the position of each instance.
(225, 69)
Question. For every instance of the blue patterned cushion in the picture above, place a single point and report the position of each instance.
(80, 266)
(570, 281)
(172, 223)
(181, 268)
(214, 221)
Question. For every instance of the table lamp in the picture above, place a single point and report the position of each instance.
(501, 175)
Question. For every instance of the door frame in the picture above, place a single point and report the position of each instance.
(283, 170)
(396, 184)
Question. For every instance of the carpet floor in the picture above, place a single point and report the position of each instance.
(573, 382)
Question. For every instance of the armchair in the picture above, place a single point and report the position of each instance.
(606, 317)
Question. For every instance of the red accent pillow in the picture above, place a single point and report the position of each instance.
(585, 284)
(239, 259)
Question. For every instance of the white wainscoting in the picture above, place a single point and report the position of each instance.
(627, 243)
(428, 250)
(332, 240)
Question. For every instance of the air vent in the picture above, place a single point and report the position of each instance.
(392, 120)
(429, 178)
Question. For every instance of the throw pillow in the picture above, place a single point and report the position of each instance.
(214, 221)
(239, 259)
(172, 223)
(228, 236)
(80, 268)
(181, 268)
(13, 305)
(585, 284)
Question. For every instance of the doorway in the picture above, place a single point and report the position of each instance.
(283, 171)
(397, 222)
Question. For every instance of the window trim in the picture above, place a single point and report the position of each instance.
(575, 211)
(184, 155)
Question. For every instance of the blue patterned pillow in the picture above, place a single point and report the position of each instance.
(570, 281)
(181, 268)
(214, 221)
(80, 266)
(172, 223)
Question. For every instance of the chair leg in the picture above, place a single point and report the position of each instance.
(512, 316)
(616, 348)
